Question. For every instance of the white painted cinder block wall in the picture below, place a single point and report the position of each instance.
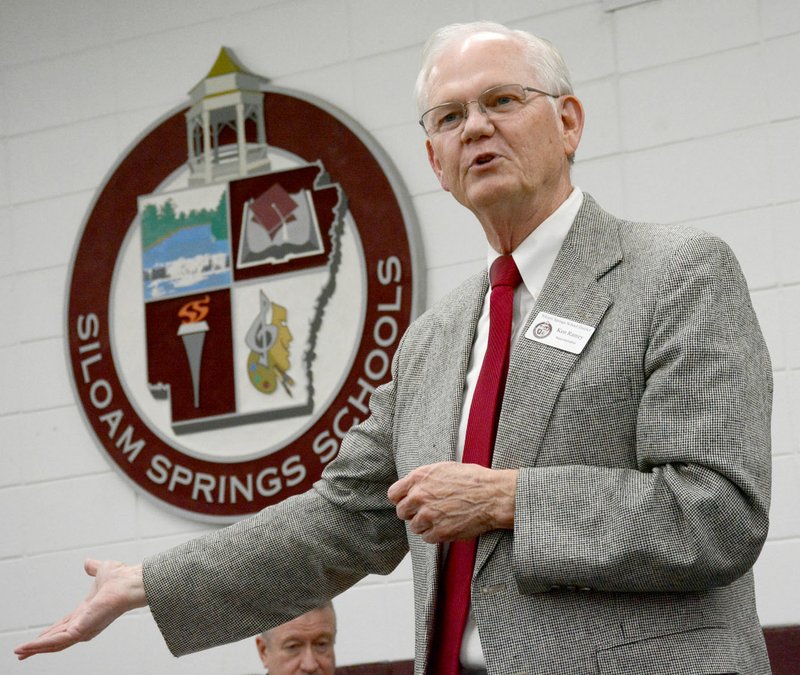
(693, 116)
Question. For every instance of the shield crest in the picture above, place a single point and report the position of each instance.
(230, 336)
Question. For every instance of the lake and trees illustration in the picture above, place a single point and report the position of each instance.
(185, 242)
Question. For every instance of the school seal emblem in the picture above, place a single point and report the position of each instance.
(239, 287)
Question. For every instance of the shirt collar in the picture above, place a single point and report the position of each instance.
(536, 253)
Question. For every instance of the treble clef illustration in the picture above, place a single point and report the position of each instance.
(262, 334)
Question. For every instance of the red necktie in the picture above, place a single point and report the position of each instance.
(454, 598)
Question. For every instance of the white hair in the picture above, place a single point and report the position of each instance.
(543, 57)
(267, 634)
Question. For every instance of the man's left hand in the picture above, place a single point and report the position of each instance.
(449, 500)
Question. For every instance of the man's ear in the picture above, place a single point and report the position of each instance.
(435, 165)
(572, 117)
(262, 649)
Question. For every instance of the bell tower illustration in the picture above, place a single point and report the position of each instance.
(225, 124)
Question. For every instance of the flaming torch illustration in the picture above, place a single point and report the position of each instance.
(193, 331)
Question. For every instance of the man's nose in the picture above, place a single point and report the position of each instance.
(476, 121)
(309, 663)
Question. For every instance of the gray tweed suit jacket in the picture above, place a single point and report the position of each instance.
(642, 499)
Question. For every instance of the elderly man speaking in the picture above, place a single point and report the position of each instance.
(574, 445)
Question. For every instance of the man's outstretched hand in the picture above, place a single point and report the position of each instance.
(117, 588)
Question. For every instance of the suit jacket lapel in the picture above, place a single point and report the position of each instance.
(449, 354)
(537, 371)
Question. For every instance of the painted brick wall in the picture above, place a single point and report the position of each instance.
(693, 116)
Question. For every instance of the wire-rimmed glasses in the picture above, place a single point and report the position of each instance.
(494, 102)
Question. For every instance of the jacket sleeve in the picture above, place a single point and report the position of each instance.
(690, 511)
(289, 558)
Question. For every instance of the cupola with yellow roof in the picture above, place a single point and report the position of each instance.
(225, 124)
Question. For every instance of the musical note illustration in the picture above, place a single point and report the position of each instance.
(268, 339)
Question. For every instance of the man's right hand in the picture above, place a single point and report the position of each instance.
(117, 588)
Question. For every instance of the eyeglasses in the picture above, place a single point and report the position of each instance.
(494, 102)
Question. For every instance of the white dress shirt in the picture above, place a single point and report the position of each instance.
(534, 258)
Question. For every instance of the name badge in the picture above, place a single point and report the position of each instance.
(560, 333)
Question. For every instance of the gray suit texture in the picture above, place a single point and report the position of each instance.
(643, 491)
